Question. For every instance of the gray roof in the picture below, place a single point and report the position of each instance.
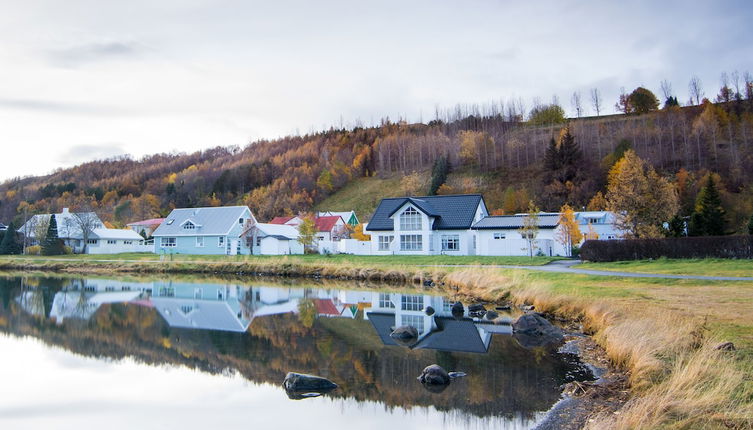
(514, 222)
(215, 221)
(454, 335)
(383, 324)
(455, 212)
(200, 314)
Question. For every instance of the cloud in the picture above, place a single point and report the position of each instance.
(93, 52)
(78, 154)
(57, 107)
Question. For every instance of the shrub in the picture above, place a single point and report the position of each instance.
(33, 250)
(671, 247)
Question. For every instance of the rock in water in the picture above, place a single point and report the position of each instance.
(476, 307)
(404, 332)
(532, 330)
(457, 310)
(300, 386)
(429, 311)
(491, 315)
(434, 375)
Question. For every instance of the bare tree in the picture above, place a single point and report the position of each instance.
(596, 100)
(575, 100)
(666, 89)
(695, 87)
(735, 76)
(86, 221)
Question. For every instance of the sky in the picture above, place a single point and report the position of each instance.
(83, 80)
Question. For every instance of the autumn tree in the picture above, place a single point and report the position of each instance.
(307, 231)
(641, 100)
(358, 234)
(85, 221)
(641, 199)
(568, 232)
(52, 244)
(708, 217)
(411, 184)
(597, 202)
(547, 115)
(530, 228)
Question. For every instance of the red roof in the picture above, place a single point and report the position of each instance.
(325, 307)
(326, 223)
(153, 221)
(280, 219)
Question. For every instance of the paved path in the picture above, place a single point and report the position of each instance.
(566, 266)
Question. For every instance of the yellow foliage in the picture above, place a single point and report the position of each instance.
(445, 189)
(10, 194)
(171, 178)
(569, 232)
(358, 234)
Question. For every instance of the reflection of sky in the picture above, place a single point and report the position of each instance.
(47, 387)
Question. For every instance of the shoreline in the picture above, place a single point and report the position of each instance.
(647, 351)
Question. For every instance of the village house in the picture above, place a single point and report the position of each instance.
(100, 240)
(349, 217)
(273, 239)
(501, 236)
(209, 230)
(426, 225)
(601, 225)
(146, 227)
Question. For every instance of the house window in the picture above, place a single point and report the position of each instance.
(111, 242)
(450, 242)
(258, 240)
(240, 221)
(167, 242)
(411, 303)
(199, 241)
(125, 288)
(611, 237)
(416, 321)
(221, 241)
(189, 226)
(220, 294)
(167, 292)
(384, 242)
(384, 301)
(109, 289)
(127, 242)
(198, 293)
(92, 241)
(186, 309)
(499, 235)
(411, 242)
(410, 219)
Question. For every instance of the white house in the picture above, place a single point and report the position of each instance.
(601, 223)
(274, 239)
(500, 236)
(213, 230)
(101, 240)
(426, 225)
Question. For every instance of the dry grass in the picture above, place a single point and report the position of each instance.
(678, 379)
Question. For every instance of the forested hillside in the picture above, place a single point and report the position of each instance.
(510, 157)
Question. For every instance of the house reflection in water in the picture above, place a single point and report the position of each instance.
(441, 331)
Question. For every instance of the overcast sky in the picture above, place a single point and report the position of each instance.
(81, 80)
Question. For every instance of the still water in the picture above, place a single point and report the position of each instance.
(86, 352)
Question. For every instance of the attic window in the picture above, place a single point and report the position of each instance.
(189, 226)
(410, 219)
(170, 222)
(240, 221)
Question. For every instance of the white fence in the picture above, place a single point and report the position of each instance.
(344, 246)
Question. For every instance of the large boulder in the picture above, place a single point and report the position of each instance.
(435, 379)
(533, 330)
(457, 310)
(301, 386)
(405, 334)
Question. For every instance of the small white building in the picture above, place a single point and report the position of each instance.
(114, 241)
(598, 225)
(426, 225)
(274, 239)
(500, 236)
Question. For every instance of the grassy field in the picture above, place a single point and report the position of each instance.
(704, 267)
(376, 261)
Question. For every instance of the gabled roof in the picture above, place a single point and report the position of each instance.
(345, 215)
(214, 221)
(278, 231)
(326, 307)
(200, 314)
(114, 233)
(453, 212)
(280, 219)
(147, 222)
(383, 324)
(514, 222)
(454, 335)
(326, 223)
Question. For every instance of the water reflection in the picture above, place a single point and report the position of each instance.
(261, 331)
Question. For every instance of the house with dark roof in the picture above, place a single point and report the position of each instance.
(500, 235)
(426, 225)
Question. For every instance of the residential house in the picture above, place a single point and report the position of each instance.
(601, 225)
(426, 225)
(101, 240)
(146, 227)
(330, 228)
(273, 239)
(349, 217)
(294, 221)
(500, 236)
(212, 230)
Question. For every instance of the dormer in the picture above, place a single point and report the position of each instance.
(190, 225)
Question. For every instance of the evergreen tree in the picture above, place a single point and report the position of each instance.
(750, 225)
(438, 174)
(676, 227)
(708, 217)
(52, 244)
(569, 156)
(552, 158)
(9, 244)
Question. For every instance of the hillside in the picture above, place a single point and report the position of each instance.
(500, 156)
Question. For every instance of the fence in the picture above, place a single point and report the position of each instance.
(673, 247)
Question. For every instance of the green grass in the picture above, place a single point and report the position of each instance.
(310, 259)
(361, 195)
(703, 267)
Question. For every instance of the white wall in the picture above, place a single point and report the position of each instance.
(354, 246)
(514, 244)
(102, 247)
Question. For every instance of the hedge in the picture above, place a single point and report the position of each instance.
(671, 247)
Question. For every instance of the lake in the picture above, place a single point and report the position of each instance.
(193, 353)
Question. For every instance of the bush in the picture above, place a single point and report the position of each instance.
(33, 250)
(671, 247)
